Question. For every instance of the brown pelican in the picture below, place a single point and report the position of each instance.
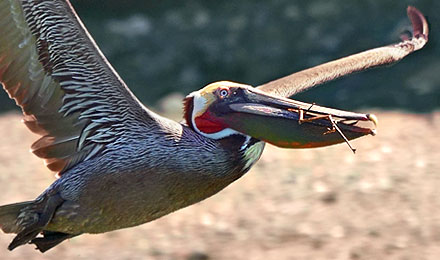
(121, 165)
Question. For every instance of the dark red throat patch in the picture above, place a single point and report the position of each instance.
(205, 123)
(208, 124)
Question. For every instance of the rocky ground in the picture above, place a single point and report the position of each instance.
(382, 203)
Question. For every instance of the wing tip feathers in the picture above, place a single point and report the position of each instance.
(420, 26)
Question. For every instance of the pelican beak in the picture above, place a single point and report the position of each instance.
(293, 124)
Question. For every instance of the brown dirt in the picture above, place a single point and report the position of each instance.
(382, 203)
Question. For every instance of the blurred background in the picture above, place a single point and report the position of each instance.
(381, 203)
(163, 47)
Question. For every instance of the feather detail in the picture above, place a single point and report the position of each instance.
(69, 93)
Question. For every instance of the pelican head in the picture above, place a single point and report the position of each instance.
(224, 108)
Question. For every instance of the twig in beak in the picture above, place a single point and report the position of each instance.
(330, 118)
(341, 134)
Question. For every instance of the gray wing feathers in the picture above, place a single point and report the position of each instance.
(9, 214)
(303, 80)
(67, 90)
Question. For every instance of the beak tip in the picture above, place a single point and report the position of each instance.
(373, 118)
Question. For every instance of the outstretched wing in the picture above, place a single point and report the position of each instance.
(305, 79)
(69, 93)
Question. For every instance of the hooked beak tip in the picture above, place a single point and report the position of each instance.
(373, 118)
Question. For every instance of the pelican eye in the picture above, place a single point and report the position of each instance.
(223, 92)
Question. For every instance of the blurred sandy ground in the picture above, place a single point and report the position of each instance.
(382, 203)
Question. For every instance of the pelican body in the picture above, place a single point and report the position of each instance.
(119, 164)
